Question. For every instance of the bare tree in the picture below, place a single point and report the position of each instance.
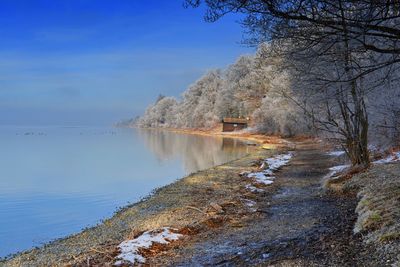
(374, 24)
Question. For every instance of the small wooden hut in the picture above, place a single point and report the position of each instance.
(234, 124)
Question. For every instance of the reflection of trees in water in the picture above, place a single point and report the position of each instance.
(196, 152)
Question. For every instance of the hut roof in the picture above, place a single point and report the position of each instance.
(235, 120)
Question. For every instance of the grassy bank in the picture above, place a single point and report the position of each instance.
(378, 209)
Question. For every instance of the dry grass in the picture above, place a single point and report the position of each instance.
(392, 236)
(379, 206)
(337, 183)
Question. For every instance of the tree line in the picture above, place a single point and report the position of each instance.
(322, 67)
(254, 86)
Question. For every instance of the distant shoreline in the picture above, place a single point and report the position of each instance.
(217, 132)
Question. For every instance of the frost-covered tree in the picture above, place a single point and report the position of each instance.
(254, 86)
(198, 104)
(278, 114)
(161, 114)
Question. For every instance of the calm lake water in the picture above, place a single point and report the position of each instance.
(57, 180)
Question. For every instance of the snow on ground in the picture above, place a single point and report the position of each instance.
(336, 169)
(130, 248)
(336, 153)
(392, 158)
(278, 161)
(261, 177)
(254, 189)
(339, 168)
(266, 176)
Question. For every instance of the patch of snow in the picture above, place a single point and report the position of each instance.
(383, 161)
(265, 180)
(256, 175)
(248, 202)
(392, 158)
(266, 176)
(262, 177)
(336, 153)
(254, 189)
(266, 255)
(278, 161)
(336, 169)
(130, 248)
(268, 172)
(339, 168)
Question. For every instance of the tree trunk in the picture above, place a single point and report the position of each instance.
(356, 120)
(358, 149)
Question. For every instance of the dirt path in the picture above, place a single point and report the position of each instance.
(298, 225)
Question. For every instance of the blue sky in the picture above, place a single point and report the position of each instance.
(78, 62)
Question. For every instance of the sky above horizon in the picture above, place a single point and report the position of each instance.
(87, 62)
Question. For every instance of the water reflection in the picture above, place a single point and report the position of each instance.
(195, 152)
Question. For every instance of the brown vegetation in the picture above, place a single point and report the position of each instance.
(378, 209)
